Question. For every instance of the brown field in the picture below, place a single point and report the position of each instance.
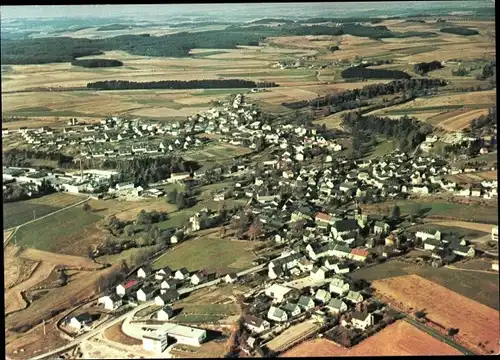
(459, 122)
(466, 225)
(476, 322)
(471, 178)
(115, 333)
(59, 259)
(16, 269)
(131, 213)
(488, 175)
(398, 339)
(291, 335)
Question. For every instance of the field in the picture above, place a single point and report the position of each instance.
(480, 287)
(17, 213)
(216, 152)
(203, 313)
(471, 178)
(56, 233)
(208, 251)
(434, 207)
(398, 339)
(476, 322)
(451, 112)
(292, 335)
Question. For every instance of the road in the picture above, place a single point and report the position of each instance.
(434, 333)
(14, 229)
(129, 315)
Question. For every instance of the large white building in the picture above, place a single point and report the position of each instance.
(494, 233)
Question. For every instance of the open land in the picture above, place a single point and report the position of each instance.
(477, 323)
(292, 335)
(222, 255)
(398, 339)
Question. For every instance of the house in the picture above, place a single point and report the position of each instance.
(361, 320)
(277, 292)
(392, 240)
(255, 324)
(323, 296)
(359, 254)
(167, 297)
(276, 314)
(381, 227)
(231, 278)
(165, 313)
(169, 284)
(343, 227)
(111, 302)
(336, 306)
(329, 262)
(82, 321)
(318, 273)
(354, 297)
(323, 219)
(339, 286)
(143, 272)
(163, 273)
(305, 302)
(198, 278)
(341, 268)
(431, 244)
(126, 288)
(177, 177)
(465, 251)
(494, 266)
(291, 309)
(494, 233)
(146, 293)
(305, 265)
(124, 186)
(182, 274)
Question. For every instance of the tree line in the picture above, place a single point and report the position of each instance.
(177, 84)
(22, 157)
(360, 72)
(424, 67)
(95, 63)
(459, 30)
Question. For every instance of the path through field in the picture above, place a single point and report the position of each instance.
(13, 299)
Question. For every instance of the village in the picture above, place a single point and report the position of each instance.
(303, 196)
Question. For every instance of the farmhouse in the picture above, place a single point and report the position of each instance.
(111, 302)
(255, 324)
(276, 314)
(81, 322)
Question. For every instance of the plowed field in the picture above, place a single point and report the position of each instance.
(477, 323)
(398, 339)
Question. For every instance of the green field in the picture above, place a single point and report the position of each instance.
(480, 287)
(51, 233)
(460, 232)
(17, 213)
(209, 252)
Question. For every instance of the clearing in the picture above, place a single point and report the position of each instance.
(476, 322)
(208, 251)
(398, 339)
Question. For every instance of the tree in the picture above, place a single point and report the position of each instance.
(255, 229)
(63, 277)
(129, 230)
(86, 207)
(172, 196)
(396, 213)
(124, 266)
(180, 201)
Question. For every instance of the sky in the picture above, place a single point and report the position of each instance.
(146, 11)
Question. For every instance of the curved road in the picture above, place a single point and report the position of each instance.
(129, 315)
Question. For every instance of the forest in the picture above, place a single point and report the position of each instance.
(177, 84)
(459, 30)
(112, 27)
(424, 67)
(66, 49)
(20, 158)
(96, 63)
(359, 72)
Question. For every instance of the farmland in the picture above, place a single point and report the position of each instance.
(480, 287)
(292, 335)
(209, 252)
(398, 339)
(55, 233)
(17, 213)
(477, 323)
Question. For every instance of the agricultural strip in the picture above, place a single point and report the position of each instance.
(477, 323)
(398, 339)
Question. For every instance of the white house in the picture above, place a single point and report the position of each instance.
(230, 278)
(305, 302)
(318, 273)
(291, 309)
(277, 292)
(323, 296)
(354, 297)
(165, 313)
(339, 286)
(276, 314)
(255, 324)
(336, 306)
(81, 322)
(146, 293)
(111, 302)
(198, 278)
(182, 274)
(143, 272)
(361, 320)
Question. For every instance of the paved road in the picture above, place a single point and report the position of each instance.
(434, 333)
(128, 315)
(14, 229)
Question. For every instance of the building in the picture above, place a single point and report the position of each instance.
(323, 296)
(166, 297)
(354, 297)
(339, 286)
(306, 303)
(165, 313)
(127, 288)
(146, 293)
(163, 273)
(256, 324)
(111, 302)
(231, 278)
(494, 266)
(277, 292)
(291, 309)
(169, 284)
(198, 278)
(494, 233)
(143, 272)
(336, 306)
(176, 177)
(276, 314)
(81, 322)
(182, 274)
(154, 341)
